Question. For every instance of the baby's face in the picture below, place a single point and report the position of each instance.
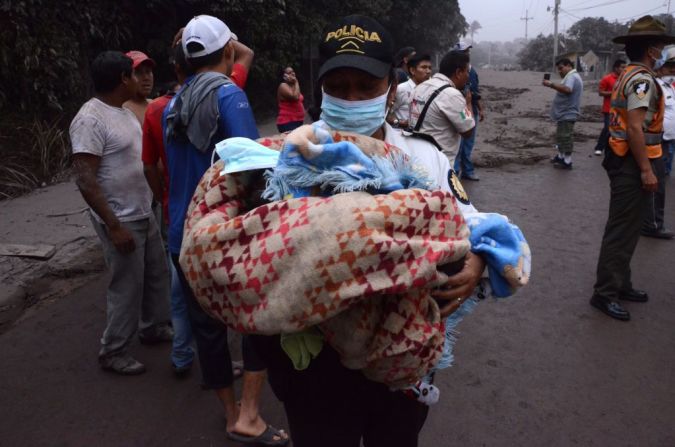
(257, 184)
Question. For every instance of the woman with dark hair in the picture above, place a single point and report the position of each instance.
(291, 110)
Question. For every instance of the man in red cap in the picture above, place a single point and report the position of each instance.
(143, 67)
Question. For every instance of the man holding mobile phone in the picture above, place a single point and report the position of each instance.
(565, 110)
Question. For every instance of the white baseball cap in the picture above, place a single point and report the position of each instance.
(670, 54)
(461, 46)
(208, 31)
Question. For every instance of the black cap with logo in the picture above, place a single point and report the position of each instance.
(356, 42)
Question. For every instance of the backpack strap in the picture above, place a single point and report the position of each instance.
(433, 96)
(428, 138)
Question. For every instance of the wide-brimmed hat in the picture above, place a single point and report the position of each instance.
(646, 27)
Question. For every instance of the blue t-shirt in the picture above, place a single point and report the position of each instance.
(187, 165)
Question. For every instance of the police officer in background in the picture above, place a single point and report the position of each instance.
(632, 163)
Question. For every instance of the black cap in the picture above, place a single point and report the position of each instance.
(356, 42)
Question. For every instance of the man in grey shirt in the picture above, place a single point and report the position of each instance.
(106, 140)
(565, 110)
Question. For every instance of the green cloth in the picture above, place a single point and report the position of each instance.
(564, 137)
(302, 347)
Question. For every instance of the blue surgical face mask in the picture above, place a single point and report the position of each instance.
(361, 117)
(241, 154)
(658, 63)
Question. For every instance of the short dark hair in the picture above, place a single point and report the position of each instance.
(203, 61)
(417, 59)
(636, 49)
(565, 62)
(107, 70)
(180, 61)
(618, 63)
(400, 54)
(453, 61)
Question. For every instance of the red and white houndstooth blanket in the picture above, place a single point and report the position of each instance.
(360, 267)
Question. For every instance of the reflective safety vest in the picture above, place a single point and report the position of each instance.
(618, 117)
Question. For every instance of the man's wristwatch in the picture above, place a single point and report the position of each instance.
(396, 122)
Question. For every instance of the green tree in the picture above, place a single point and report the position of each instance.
(595, 34)
(473, 29)
(537, 54)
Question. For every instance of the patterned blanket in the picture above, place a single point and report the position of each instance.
(359, 266)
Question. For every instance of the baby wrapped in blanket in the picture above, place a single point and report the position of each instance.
(348, 248)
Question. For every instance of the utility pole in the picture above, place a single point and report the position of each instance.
(670, 20)
(527, 19)
(556, 10)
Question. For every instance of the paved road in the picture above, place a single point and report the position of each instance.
(543, 368)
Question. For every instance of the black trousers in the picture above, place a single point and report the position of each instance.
(627, 209)
(656, 202)
(211, 338)
(329, 405)
(601, 145)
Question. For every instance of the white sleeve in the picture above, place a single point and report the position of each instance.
(445, 177)
(86, 136)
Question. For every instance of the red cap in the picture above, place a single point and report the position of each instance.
(139, 57)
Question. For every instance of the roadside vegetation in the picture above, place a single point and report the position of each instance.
(46, 48)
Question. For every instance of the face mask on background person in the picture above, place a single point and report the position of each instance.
(362, 117)
(658, 63)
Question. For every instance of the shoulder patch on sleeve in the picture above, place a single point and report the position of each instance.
(640, 87)
(457, 188)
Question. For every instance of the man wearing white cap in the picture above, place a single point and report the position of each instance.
(653, 224)
(210, 108)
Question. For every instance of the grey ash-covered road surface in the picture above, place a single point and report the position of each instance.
(540, 369)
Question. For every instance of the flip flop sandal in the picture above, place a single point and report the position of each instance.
(266, 438)
(237, 369)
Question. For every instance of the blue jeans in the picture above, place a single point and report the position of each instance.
(463, 162)
(182, 353)
(668, 151)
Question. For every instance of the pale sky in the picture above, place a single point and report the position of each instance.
(501, 19)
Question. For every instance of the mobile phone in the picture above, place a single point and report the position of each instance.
(547, 76)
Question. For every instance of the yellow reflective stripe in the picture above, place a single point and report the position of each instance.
(650, 137)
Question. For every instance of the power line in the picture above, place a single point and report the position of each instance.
(570, 14)
(542, 28)
(598, 5)
(641, 14)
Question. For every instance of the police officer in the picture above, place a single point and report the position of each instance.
(636, 128)
(357, 80)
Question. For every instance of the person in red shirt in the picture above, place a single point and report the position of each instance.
(605, 90)
(290, 99)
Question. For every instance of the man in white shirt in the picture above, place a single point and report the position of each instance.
(438, 108)
(653, 224)
(419, 70)
(106, 140)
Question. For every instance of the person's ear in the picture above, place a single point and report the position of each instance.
(124, 78)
